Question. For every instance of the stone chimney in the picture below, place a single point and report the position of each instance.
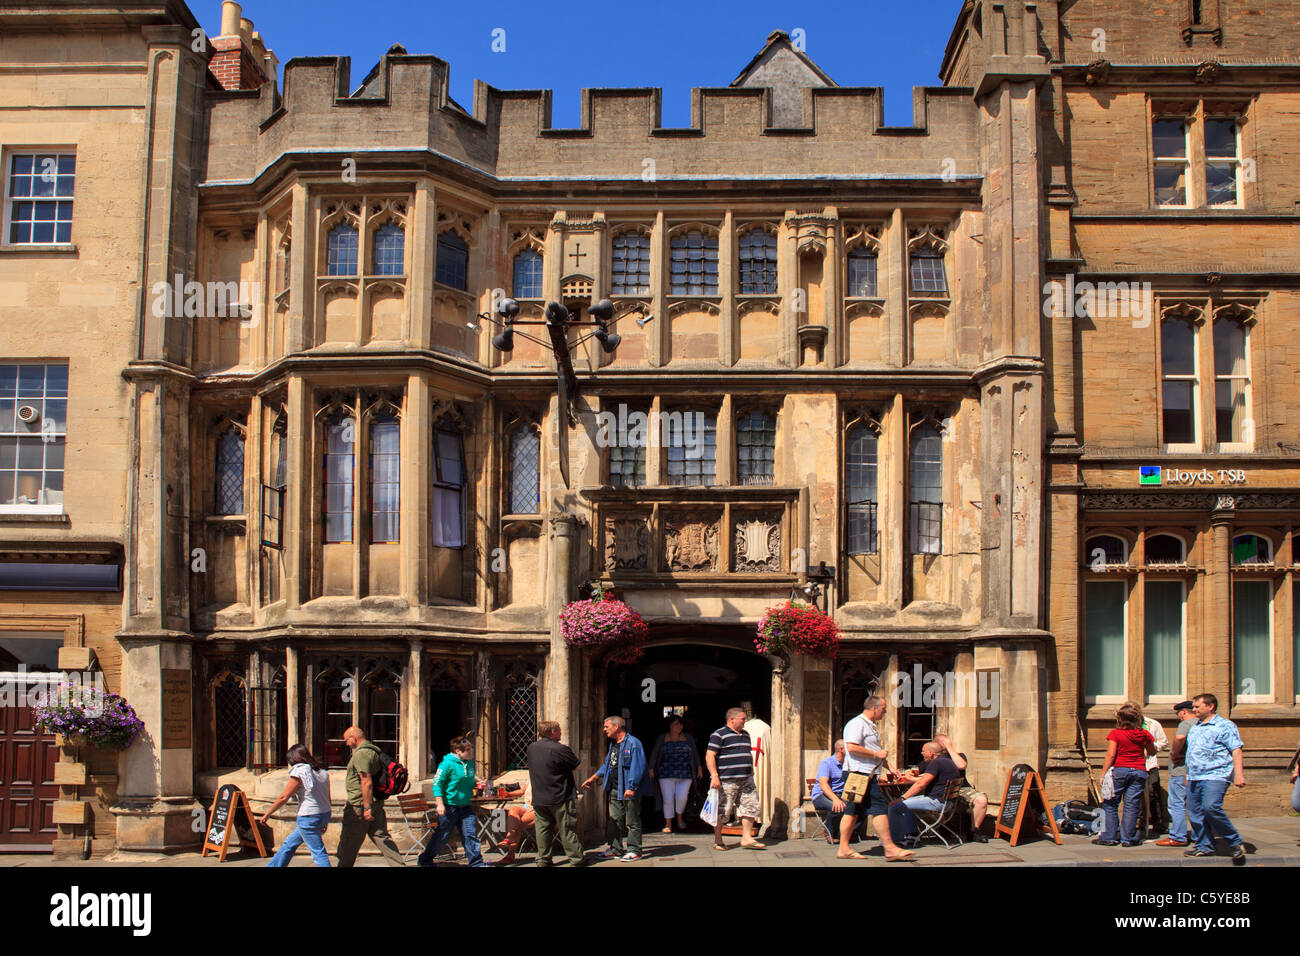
(240, 61)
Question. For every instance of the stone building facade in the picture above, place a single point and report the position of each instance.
(339, 501)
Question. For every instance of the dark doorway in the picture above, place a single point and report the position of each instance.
(698, 682)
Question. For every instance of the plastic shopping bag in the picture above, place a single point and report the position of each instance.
(709, 812)
(1108, 785)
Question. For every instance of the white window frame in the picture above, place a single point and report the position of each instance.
(1235, 446)
(1182, 642)
(1272, 636)
(1168, 161)
(56, 509)
(1209, 161)
(1091, 700)
(1194, 378)
(6, 170)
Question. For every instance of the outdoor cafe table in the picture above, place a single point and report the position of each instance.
(486, 809)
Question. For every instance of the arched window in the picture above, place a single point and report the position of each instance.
(336, 686)
(448, 489)
(757, 263)
(862, 273)
(861, 465)
(1105, 550)
(382, 686)
(1163, 637)
(230, 472)
(1231, 382)
(694, 264)
(1252, 637)
(1178, 376)
(520, 705)
(340, 440)
(756, 449)
(453, 261)
(525, 471)
(229, 721)
(1165, 549)
(390, 250)
(528, 275)
(928, 275)
(927, 490)
(385, 479)
(1105, 653)
(1248, 549)
(630, 271)
(341, 252)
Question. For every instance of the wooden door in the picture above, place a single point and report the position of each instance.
(27, 787)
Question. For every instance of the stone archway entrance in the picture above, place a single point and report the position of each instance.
(698, 681)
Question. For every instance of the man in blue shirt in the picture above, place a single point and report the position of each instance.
(623, 777)
(826, 790)
(1213, 761)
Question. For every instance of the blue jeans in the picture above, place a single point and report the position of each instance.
(310, 829)
(1205, 813)
(1129, 784)
(1178, 808)
(1295, 796)
(902, 823)
(456, 818)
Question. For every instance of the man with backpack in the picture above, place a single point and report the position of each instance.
(363, 814)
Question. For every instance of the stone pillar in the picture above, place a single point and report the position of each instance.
(787, 747)
(293, 694)
(156, 808)
(1216, 646)
(558, 699)
(417, 724)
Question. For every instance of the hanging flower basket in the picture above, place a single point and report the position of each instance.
(796, 627)
(88, 716)
(604, 622)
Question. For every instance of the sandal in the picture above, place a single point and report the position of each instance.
(721, 846)
(902, 855)
(855, 855)
(753, 846)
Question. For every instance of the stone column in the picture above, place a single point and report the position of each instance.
(1216, 646)
(787, 747)
(558, 698)
(417, 736)
(293, 694)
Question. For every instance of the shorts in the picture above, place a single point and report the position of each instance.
(873, 805)
(741, 794)
(966, 796)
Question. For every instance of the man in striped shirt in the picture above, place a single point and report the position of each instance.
(731, 766)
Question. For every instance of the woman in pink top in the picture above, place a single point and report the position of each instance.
(1127, 747)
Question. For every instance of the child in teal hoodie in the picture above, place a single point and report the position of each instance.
(453, 789)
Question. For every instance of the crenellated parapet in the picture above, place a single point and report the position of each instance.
(404, 105)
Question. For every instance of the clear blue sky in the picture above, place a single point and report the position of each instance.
(565, 46)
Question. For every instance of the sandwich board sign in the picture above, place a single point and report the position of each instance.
(1024, 788)
(224, 824)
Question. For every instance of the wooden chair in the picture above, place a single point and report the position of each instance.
(821, 816)
(420, 822)
(939, 822)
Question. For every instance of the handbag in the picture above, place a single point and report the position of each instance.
(709, 812)
(1108, 785)
(856, 786)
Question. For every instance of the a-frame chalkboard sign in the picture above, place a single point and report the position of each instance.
(1024, 788)
(223, 822)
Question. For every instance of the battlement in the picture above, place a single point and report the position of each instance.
(404, 104)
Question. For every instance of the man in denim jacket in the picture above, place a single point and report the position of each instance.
(623, 777)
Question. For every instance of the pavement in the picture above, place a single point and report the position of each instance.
(1270, 841)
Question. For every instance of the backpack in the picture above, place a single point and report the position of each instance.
(391, 779)
(1078, 818)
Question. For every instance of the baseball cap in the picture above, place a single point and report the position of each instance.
(1185, 705)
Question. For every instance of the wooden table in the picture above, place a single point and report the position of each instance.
(486, 809)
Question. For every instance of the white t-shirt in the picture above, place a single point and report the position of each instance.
(864, 733)
(314, 794)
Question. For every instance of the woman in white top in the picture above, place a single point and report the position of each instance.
(305, 774)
